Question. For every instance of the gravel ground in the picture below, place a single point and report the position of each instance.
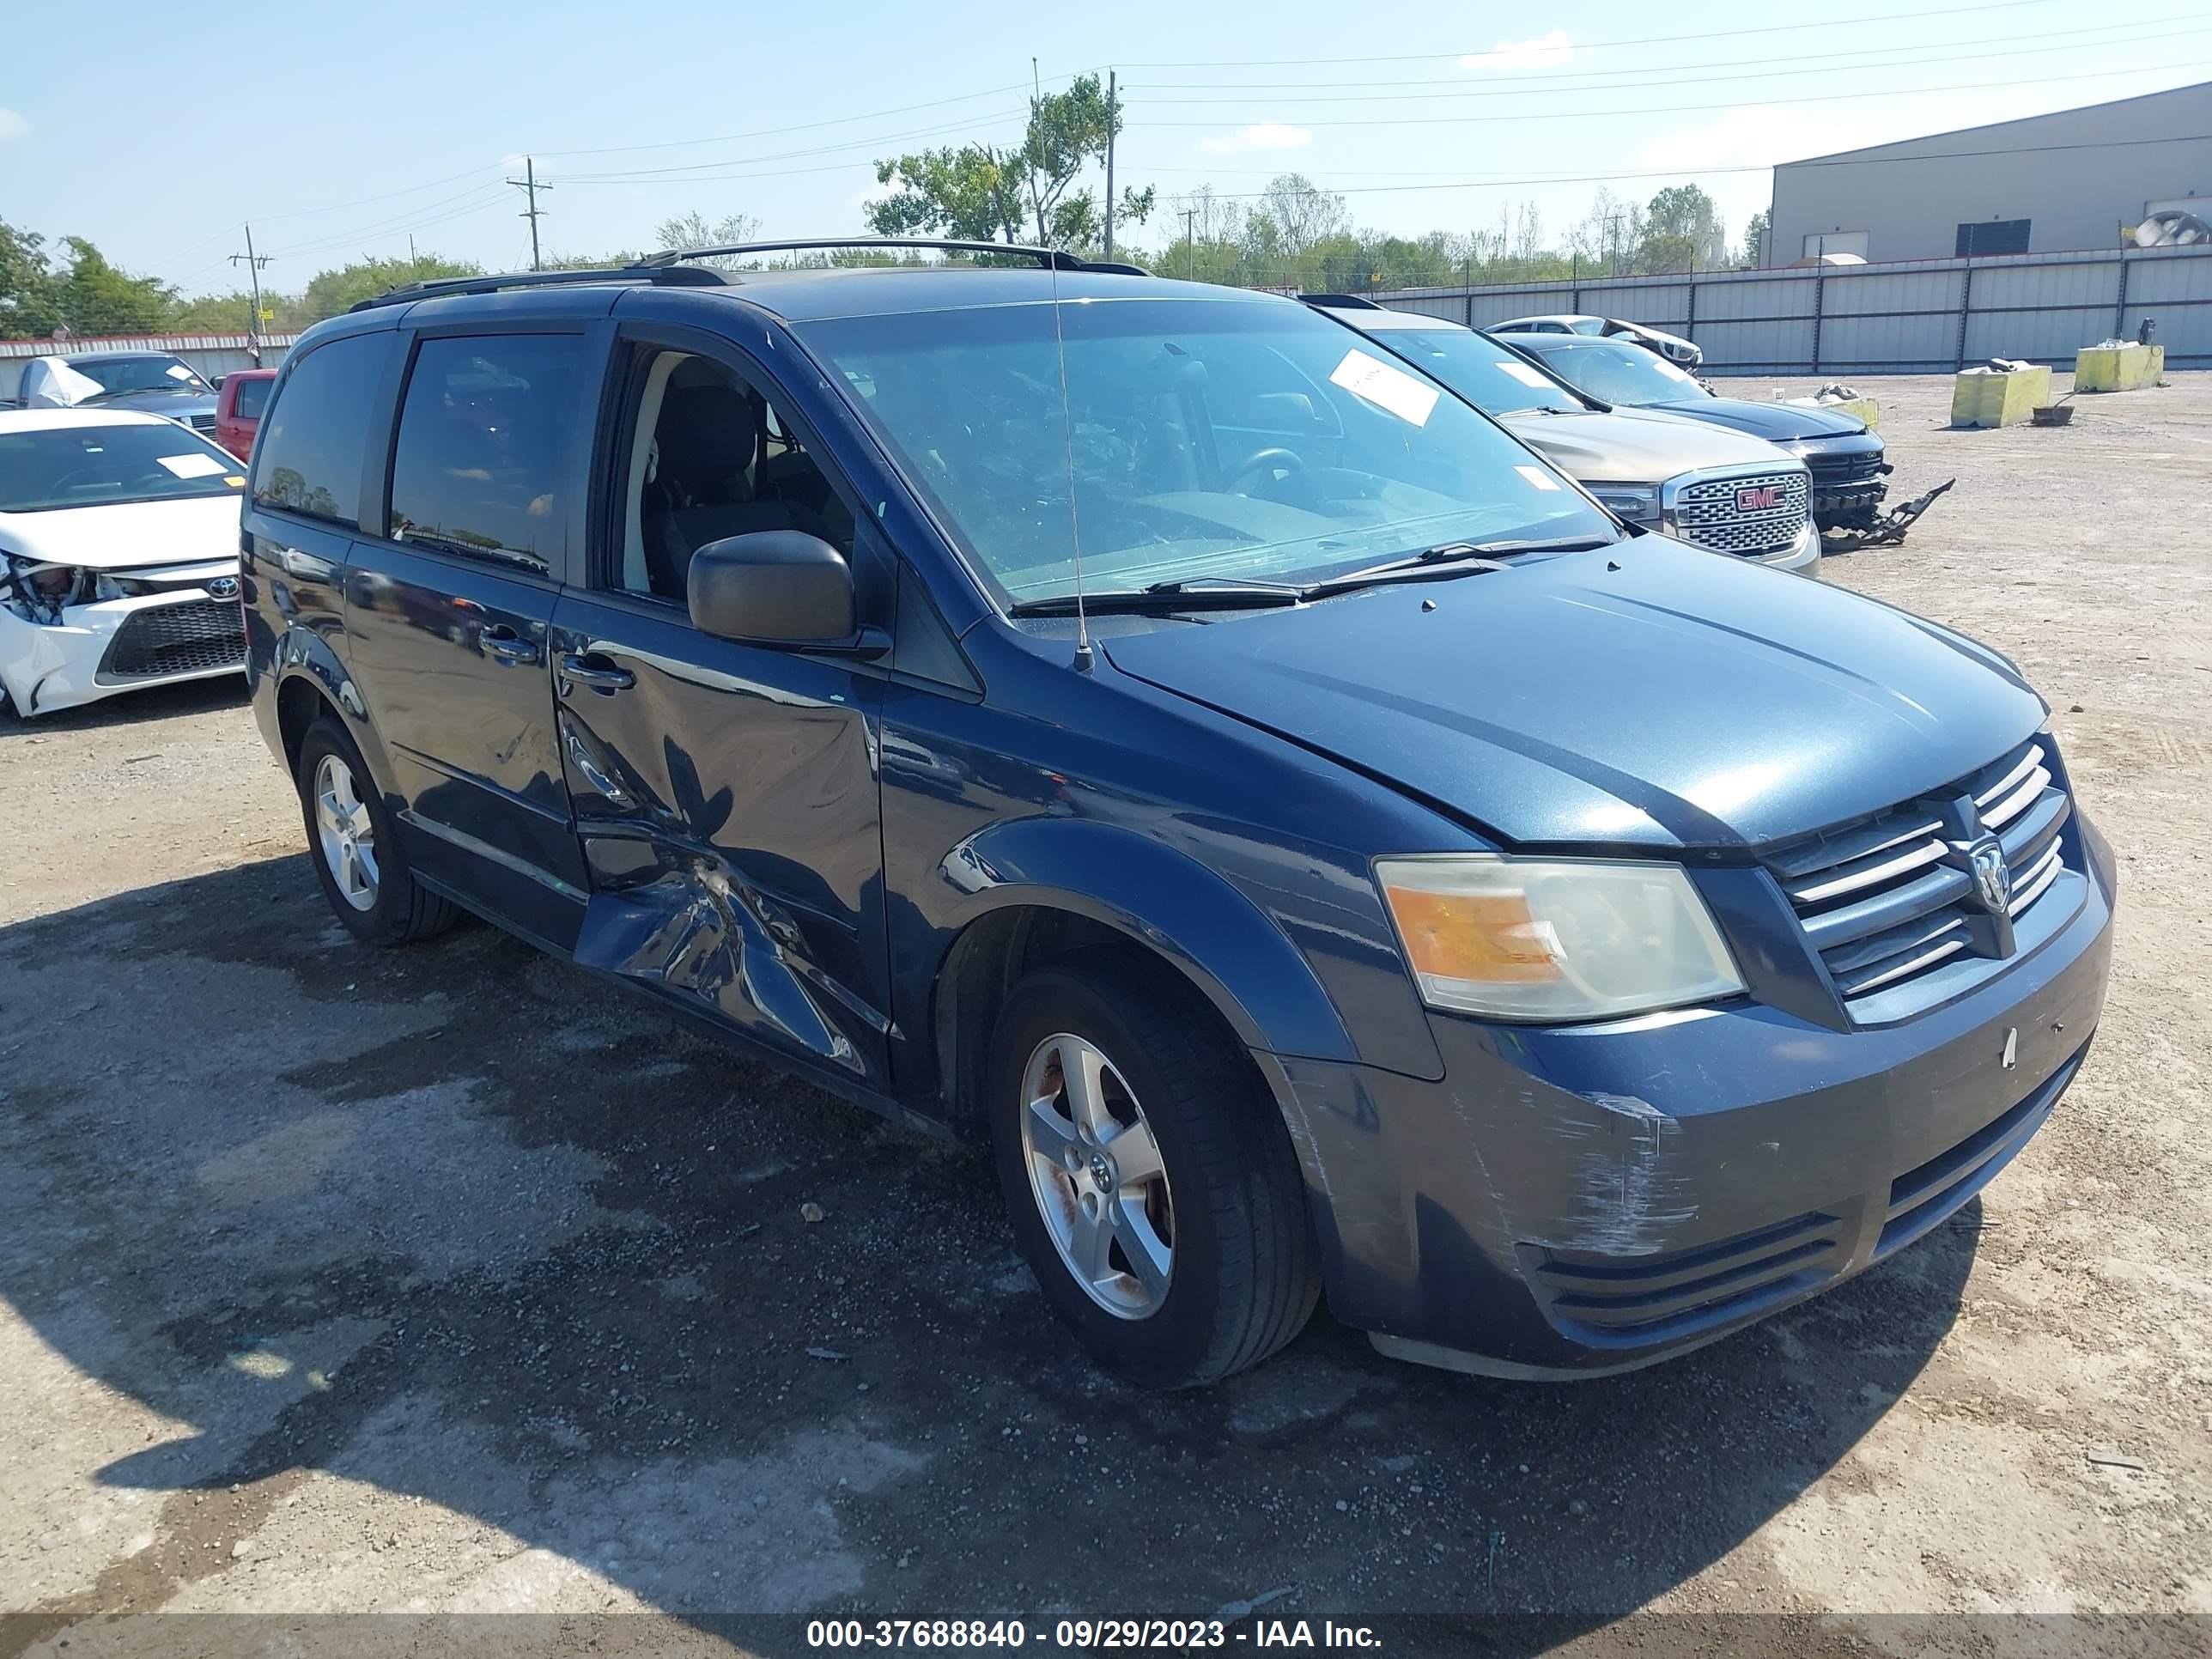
(450, 1281)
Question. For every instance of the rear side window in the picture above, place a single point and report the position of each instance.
(312, 451)
(252, 400)
(476, 469)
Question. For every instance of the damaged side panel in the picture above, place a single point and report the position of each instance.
(732, 830)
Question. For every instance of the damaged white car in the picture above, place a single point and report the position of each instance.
(118, 557)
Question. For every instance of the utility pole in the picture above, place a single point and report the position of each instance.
(1190, 242)
(1111, 88)
(252, 262)
(528, 185)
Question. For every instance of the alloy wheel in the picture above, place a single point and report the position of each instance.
(346, 833)
(1097, 1174)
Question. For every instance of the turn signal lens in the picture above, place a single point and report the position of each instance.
(1554, 938)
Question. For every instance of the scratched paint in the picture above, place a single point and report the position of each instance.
(1630, 1199)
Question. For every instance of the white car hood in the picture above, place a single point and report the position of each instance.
(128, 533)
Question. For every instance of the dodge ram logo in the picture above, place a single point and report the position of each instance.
(1992, 880)
(1758, 499)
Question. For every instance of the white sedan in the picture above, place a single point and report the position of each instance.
(118, 557)
(1688, 353)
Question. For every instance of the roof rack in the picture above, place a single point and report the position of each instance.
(670, 269)
(1049, 258)
(435, 286)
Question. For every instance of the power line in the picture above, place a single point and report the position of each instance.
(1595, 46)
(1564, 81)
(1705, 107)
(702, 168)
(1399, 96)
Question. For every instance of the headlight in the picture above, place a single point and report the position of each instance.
(1554, 938)
(1638, 503)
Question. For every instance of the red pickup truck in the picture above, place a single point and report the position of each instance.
(237, 408)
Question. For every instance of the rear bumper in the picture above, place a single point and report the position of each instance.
(1572, 1201)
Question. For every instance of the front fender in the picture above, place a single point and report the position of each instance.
(1250, 971)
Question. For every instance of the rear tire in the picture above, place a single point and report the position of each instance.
(1158, 1200)
(354, 843)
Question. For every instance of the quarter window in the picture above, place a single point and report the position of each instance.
(477, 469)
(252, 398)
(317, 431)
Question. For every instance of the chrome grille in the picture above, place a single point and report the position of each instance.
(1713, 511)
(1893, 899)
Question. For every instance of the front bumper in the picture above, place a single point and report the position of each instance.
(1574, 1200)
(1801, 558)
(45, 667)
(1848, 505)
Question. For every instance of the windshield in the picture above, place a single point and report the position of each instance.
(138, 373)
(1229, 438)
(1484, 373)
(95, 465)
(1618, 374)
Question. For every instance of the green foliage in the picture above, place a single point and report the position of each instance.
(1682, 231)
(30, 299)
(1034, 191)
(334, 291)
(1754, 242)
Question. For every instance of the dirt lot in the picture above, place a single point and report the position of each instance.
(449, 1279)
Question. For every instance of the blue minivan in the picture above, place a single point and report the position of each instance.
(1146, 727)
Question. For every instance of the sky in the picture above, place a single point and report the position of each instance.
(342, 130)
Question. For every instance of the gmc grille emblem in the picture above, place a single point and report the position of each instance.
(1758, 499)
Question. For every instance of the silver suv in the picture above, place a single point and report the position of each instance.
(1717, 490)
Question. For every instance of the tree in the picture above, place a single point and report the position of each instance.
(30, 302)
(333, 291)
(692, 230)
(97, 298)
(1682, 232)
(1294, 214)
(1754, 240)
(988, 193)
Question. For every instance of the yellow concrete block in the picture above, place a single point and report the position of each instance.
(2118, 368)
(1865, 408)
(1999, 399)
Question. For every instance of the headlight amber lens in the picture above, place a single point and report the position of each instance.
(1554, 938)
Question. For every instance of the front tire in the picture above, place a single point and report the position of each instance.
(1151, 1182)
(354, 843)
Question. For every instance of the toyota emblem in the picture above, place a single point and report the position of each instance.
(223, 588)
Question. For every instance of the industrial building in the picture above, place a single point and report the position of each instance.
(2074, 178)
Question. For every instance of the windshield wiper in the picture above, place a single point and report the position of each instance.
(1199, 593)
(1448, 559)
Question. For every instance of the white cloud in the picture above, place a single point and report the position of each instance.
(12, 126)
(1261, 135)
(1546, 50)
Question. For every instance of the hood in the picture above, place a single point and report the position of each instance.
(1643, 695)
(1630, 446)
(176, 403)
(128, 533)
(1776, 422)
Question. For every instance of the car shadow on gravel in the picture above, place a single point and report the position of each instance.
(473, 1227)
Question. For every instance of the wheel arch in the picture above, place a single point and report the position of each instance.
(1038, 890)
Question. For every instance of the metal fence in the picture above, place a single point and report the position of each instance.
(1927, 316)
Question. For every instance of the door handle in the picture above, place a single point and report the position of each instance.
(590, 668)
(501, 641)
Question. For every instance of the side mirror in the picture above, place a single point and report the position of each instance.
(778, 588)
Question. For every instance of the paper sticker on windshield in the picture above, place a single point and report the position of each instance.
(1537, 476)
(178, 371)
(233, 480)
(190, 467)
(1526, 375)
(1387, 388)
